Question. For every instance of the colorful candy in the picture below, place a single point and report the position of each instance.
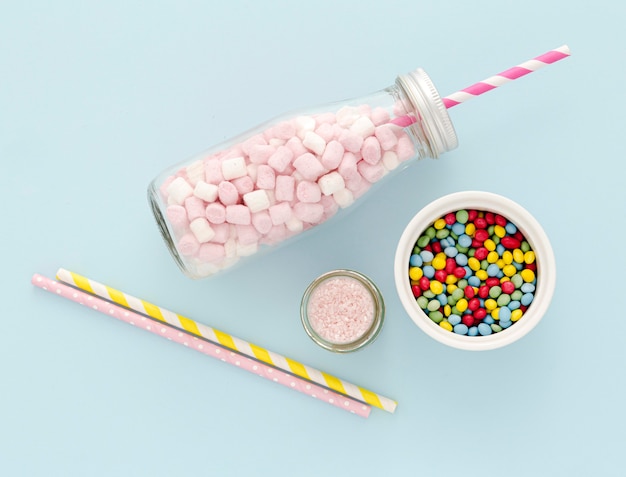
(473, 272)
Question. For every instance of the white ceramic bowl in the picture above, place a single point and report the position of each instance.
(534, 234)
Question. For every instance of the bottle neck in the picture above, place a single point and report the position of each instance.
(431, 129)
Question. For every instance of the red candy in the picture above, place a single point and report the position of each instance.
(467, 320)
(450, 218)
(483, 291)
(469, 292)
(440, 276)
(436, 246)
(510, 242)
(492, 282)
(424, 283)
(508, 287)
(417, 291)
(473, 304)
(459, 272)
(481, 235)
(450, 265)
(490, 218)
(480, 223)
(480, 314)
(501, 221)
(481, 253)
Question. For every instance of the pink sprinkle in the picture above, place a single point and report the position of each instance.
(341, 310)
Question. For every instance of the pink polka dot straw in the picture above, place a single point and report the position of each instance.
(203, 345)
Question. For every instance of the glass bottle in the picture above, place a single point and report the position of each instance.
(293, 173)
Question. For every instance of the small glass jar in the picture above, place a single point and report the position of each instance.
(293, 173)
(342, 311)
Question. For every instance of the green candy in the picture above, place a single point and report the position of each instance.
(462, 216)
(433, 305)
(496, 328)
(504, 299)
(517, 280)
(430, 232)
(495, 292)
(423, 241)
(428, 294)
(517, 295)
(436, 316)
(422, 302)
(442, 234)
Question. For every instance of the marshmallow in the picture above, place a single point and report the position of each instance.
(247, 234)
(379, 116)
(188, 245)
(261, 153)
(309, 166)
(230, 247)
(266, 177)
(284, 130)
(252, 171)
(347, 168)
(280, 213)
(390, 160)
(255, 140)
(314, 143)
(243, 184)
(329, 118)
(326, 131)
(238, 214)
(309, 192)
(371, 172)
(350, 140)
(281, 158)
(177, 217)
(246, 250)
(211, 252)
(222, 233)
(405, 149)
(194, 207)
(179, 190)
(262, 222)
(294, 224)
(347, 115)
(332, 155)
(256, 200)
(311, 213)
(344, 198)
(202, 230)
(363, 126)
(295, 146)
(234, 167)
(205, 191)
(331, 183)
(330, 206)
(285, 186)
(195, 172)
(213, 171)
(215, 213)
(386, 136)
(371, 150)
(227, 193)
(303, 125)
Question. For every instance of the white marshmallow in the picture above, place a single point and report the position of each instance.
(195, 172)
(256, 200)
(390, 160)
(179, 190)
(331, 183)
(303, 125)
(363, 126)
(206, 192)
(344, 198)
(234, 167)
(246, 250)
(294, 224)
(347, 115)
(314, 143)
(202, 230)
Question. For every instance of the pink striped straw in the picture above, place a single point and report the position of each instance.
(511, 74)
(202, 345)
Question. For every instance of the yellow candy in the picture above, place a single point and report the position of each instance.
(529, 257)
(447, 310)
(492, 257)
(451, 280)
(495, 313)
(490, 245)
(445, 325)
(527, 275)
(415, 273)
(473, 263)
(518, 255)
(507, 256)
(461, 305)
(482, 274)
(500, 263)
(439, 224)
(509, 270)
(451, 287)
(499, 231)
(470, 229)
(516, 314)
(436, 287)
(439, 262)
(490, 304)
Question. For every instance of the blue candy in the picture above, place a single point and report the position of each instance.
(500, 249)
(416, 260)
(510, 228)
(473, 281)
(464, 240)
(527, 288)
(492, 270)
(427, 256)
(473, 331)
(460, 329)
(489, 320)
(461, 259)
(443, 298)
(504, 314)
(458, 228)
(513, 305)
(454, 320)
(505, 324)
(429, 271)
(527, 299)
(451, 252)
(484, 329)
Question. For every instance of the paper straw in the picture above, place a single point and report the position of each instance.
(227, 341)
(511, 74)
(202, 345)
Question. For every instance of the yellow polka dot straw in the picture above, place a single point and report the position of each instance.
(201, 345)
(226, 340)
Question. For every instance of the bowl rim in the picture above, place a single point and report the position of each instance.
(524, 221)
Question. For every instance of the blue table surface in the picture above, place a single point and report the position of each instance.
(97, 98)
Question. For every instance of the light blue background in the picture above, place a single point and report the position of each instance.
(96, 98)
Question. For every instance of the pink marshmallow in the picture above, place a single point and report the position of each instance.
(188, 245)
(332, 155)
(281, 158)
(285, 186)
(325, 131)
(211, 252)
(295, 146)
(227, 193)
(314, 143)
(246, 234)
(222, 232)
(404, 148)
(265, 177)
(253, 141)
(330, 206)
(371, 150)
(262, 222)
(260, 154)
(379, 116)
(243, 185)
(194, 207)
(347, 168)
(215, 213)
(177, 217)
(277, 234)
(213, 171)
(371, 172)
(307, 191)
(165, 185)
(351, 141)
(284, 130)
(387, 136)
(322, 118)
(311, 213)
(280, 213)
(238, 214)
(309, 166)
